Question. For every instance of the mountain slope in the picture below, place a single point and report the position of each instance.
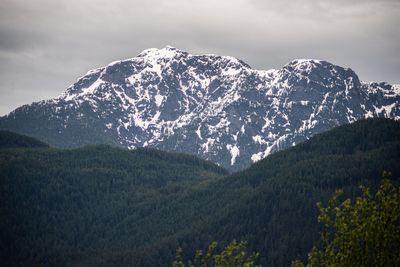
(13, 140)
(102, 206)
(61, 207)
(213, 106)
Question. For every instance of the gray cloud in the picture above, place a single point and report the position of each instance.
(46, 44)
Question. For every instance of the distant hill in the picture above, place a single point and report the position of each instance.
(215, 107)
(12, 140)
(60, 207)
(104, 206)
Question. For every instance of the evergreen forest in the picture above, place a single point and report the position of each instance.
(107, 206)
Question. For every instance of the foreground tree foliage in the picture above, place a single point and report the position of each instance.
(233, 255)
(365, 232)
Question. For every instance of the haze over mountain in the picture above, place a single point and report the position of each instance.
(216, 107)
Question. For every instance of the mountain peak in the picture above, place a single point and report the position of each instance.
(304, 61)
(170, 47)
(311, 64)
(165, 52)
(319, 71)
(305, 64)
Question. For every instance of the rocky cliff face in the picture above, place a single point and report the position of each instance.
(213, 106)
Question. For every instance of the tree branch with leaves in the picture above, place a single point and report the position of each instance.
(233, 255)
(364, 232)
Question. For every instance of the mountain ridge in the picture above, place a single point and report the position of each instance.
(12, 140)
(213, 106)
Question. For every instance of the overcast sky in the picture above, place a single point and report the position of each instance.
(45, 45)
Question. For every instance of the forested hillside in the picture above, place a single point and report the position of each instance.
(10, 140)
(61, 207)
(103, 206)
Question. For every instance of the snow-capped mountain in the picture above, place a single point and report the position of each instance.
(216, 107)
